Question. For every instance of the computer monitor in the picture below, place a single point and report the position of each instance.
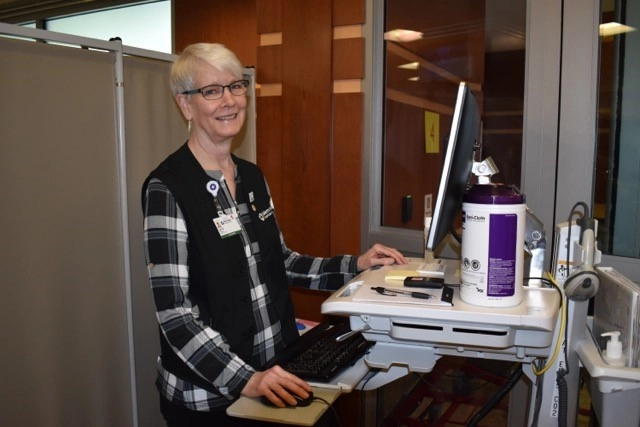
(464, 138)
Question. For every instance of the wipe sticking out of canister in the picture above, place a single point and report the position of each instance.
(492, 252)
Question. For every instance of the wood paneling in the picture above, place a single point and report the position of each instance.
(269, 16)
(348, 12)
(307, 302)
(230, 23)
(270, 64)
(269, 146)
(346, 173)
(348, 59)
(306, 122)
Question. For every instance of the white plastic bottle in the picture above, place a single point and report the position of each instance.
(493, 230)
(613, 354)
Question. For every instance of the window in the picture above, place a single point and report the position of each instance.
(145, 25)
(617, 188)
(482, 43)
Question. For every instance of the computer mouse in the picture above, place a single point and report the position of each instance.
(302, 402)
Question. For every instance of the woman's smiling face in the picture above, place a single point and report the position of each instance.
(219, 119)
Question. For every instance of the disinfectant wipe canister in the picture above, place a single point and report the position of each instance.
(493, 228)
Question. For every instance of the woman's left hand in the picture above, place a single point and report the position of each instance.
(380, 255)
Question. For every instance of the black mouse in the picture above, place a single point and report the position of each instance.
(302, 402)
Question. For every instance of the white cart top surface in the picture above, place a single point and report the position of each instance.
(538, 309)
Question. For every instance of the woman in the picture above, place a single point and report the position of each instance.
(217, 262)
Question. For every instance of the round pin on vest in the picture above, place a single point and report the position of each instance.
(213, 187)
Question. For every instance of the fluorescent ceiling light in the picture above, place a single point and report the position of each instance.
(402, 35)
(613, 28)
(414, 79)
(410, 66)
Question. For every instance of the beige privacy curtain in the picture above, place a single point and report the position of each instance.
(64, 357)
(154, 129)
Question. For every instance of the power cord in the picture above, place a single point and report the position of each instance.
(561, 332)
(333, 410)
(538, 400)
(542, 279)
(561, 373)
(372, 373)
(497, 397)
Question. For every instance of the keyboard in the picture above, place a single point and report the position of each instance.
(317, 356)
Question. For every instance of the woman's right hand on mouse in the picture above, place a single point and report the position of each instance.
(277, 385)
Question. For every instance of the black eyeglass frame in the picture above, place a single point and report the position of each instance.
(244, 82)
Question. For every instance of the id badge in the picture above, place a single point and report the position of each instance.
(227, 224)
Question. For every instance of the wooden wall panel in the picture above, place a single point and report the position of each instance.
(270, 64)
(307, 303)
(306, 114)
(269, 146)
(269, 16)
(230, 23)
(348, 12)
(348, 59)
(346, 174)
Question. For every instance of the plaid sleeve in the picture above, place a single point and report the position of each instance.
(318, 273)
(202, 348)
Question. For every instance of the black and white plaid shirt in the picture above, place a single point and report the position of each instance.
(165, 228)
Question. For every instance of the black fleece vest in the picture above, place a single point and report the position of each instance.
(219, 280)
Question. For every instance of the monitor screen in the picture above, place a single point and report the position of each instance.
(464, 138)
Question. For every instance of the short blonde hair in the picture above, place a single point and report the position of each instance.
(191, 59)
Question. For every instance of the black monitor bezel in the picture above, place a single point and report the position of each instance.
(464, 139)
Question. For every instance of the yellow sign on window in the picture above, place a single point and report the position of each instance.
(431, 132)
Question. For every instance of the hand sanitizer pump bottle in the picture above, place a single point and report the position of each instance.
(613, 354)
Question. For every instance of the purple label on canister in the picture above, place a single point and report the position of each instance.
(503, 230)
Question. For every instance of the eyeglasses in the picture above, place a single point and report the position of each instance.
(212, 92)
